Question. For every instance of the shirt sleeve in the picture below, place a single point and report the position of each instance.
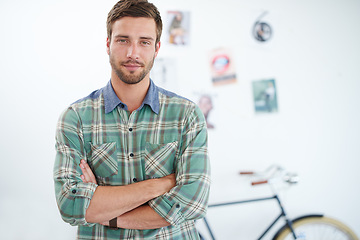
(188, 200)
(72, 195)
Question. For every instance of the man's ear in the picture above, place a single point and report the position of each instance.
(108, 46)
(157, 48)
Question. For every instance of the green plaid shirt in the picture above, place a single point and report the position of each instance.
(166, 134)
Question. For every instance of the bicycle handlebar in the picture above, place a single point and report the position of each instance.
(270, 173)
(259, 182)
(246, 173)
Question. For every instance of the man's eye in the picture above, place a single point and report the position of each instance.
(145, 43)
(121, 41)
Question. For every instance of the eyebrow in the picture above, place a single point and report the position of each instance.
(126, 36)
(147, 38)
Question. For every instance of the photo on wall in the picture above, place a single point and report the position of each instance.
(265, 96)
(164, 73)
(262, 30)
(178, 29)
(205, 103)
(222, 67)
(206, 100)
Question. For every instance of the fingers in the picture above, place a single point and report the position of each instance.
(88, 176)
(85, 177)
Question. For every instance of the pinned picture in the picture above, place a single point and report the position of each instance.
(205, 103)
(265, 96)
(163, 73)
(222, 67)
(178, 27)
(261, 30)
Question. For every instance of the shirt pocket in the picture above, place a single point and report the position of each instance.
(160, 159)
(103, 160)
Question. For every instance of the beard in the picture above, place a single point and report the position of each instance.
(131, 78)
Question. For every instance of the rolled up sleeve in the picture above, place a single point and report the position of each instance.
(72, 195)
(188, 200)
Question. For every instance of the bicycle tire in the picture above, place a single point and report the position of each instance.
(316, 227)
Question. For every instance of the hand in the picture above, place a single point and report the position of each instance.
(169, 182)
(88, 176)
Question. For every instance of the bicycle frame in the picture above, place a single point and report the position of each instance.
(282, 214)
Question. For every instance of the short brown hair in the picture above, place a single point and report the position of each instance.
(134, 8)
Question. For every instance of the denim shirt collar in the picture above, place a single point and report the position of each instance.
(151, 99)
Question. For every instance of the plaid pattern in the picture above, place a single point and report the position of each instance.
(166, 134)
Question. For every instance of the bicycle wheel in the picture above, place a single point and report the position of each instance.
(317, 227)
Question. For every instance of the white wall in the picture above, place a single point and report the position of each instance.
(53, 52)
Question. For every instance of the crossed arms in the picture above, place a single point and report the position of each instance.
(127, 203)
(148, 204)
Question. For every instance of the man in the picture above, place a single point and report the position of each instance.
(132, 158)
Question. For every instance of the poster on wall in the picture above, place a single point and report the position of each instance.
(163, 73)
(262, 30)
(222, 67)
(265, 96)
(178, 31)
(205, 103)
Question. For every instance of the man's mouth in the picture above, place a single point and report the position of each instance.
(132, 66)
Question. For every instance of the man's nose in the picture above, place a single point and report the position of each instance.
(133, 51)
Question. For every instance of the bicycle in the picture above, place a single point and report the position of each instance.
(306, 227)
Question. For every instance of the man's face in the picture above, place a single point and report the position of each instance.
(132, 48)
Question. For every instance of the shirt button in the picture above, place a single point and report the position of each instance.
(178, 205)
(122, 105)
(135, 179)
(130, 129)
(73, 191)
(131, 154)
